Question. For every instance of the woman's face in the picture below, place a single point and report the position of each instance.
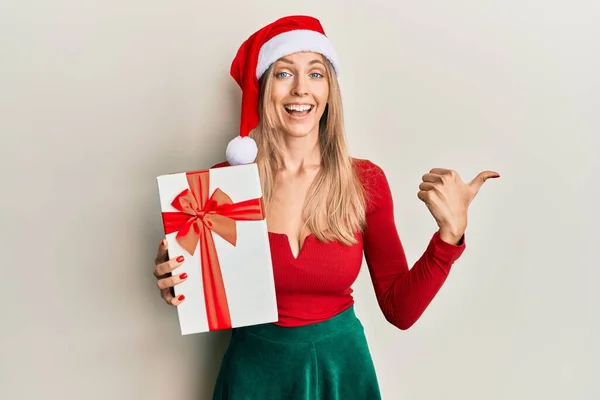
(299, 93)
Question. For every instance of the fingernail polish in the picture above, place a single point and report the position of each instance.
(181, 297)
(180, 259)
(183, 276)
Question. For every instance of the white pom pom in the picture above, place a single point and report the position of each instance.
(241, 150)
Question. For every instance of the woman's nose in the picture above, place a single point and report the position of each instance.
(300, 87)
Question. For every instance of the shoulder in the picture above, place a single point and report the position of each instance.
(221, 164)
(370, 174)
(362, 164)
(375, 184)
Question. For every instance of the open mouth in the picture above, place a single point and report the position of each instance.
(298, 110)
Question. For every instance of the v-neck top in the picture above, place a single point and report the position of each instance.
(317, 283)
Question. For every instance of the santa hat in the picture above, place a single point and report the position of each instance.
(282, 37)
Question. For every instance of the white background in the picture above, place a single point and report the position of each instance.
(99, 98)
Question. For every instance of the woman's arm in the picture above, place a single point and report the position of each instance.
(403, 294)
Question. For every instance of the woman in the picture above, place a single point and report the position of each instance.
(324, 210)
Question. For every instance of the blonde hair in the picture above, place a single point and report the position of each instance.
(335, 204)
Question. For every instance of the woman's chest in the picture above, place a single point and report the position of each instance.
(318, 267)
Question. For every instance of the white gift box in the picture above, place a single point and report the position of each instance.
(215, 219)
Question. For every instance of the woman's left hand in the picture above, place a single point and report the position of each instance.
(448, 198)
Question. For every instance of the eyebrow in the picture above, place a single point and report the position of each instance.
(315, 61)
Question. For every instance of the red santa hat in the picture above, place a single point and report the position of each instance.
(282, 37)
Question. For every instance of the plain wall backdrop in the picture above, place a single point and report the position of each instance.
(98, 98)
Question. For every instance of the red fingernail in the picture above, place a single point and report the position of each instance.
(181, 297)
(183, 276)
(180, 259)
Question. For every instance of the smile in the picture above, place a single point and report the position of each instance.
(298, 110)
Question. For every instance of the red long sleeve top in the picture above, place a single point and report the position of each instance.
(316, 284)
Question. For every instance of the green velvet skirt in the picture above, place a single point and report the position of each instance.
(323, 361)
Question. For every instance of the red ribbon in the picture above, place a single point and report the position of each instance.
(198, 215)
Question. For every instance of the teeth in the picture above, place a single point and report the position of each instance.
(295, 107)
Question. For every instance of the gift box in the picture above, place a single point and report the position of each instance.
(215, 218)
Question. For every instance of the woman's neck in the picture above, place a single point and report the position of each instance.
(301, 153)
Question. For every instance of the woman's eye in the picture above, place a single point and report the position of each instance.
(315, 75)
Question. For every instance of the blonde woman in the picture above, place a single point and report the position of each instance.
(325, 210)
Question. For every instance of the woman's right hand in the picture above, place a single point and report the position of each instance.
(165, 278)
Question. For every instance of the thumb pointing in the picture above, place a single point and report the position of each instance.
(479, 180)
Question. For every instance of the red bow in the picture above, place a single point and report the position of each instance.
(199, 215)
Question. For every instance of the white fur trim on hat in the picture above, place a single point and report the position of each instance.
(292, 42)
(241, 150)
